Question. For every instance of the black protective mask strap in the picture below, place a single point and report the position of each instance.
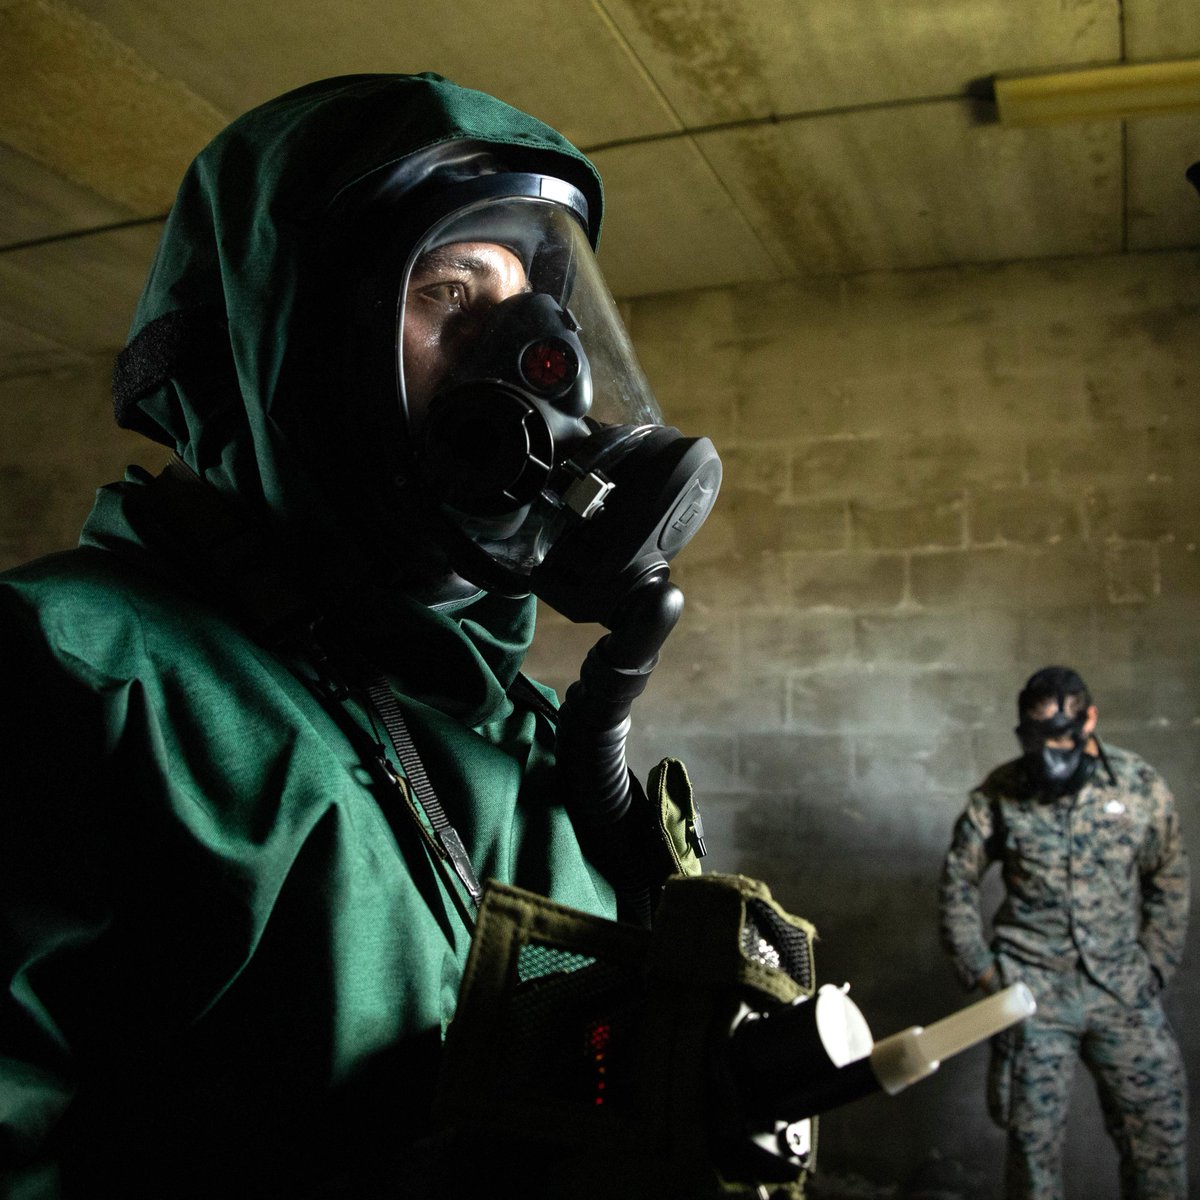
(1034, 733)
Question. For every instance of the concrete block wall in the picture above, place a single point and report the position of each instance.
(58, 443)
(936, 482)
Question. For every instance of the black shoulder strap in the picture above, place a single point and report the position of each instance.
(384, 702)
(1112, 775)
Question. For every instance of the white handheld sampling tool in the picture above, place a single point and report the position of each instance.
(916, 1052)
(818, 1053)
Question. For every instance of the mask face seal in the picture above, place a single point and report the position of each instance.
(536, 439)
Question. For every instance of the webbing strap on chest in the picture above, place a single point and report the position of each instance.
(389, 712)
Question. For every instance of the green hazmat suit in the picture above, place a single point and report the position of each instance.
(229, 955)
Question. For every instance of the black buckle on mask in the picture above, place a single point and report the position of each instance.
(657, 495)
(663, 488)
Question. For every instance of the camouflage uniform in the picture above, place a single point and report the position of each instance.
(1094, 920)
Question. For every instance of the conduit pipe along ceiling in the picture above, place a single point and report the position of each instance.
(1100, 93)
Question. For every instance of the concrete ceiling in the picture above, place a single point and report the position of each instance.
(738, 141)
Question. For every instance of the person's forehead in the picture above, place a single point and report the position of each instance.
(476, 258)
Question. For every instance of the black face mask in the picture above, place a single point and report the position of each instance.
(1056, 771)
(1064, 772)
(507, 447)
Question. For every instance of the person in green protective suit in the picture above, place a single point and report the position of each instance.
(233, 923)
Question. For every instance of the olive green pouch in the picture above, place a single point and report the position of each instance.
(673, 798)
(586, 1057)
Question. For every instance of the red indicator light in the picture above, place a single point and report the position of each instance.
(599, 1034)
(549, 364)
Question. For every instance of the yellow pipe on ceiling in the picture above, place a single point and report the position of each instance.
(1100, 93)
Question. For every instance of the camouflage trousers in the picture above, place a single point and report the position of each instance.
(1135, 1061)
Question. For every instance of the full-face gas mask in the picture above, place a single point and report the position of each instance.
(535, 437)
(1057, 771)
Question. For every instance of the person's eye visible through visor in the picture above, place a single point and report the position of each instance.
(450, 291)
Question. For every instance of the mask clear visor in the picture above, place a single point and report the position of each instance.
(484, 253)
(452, 341)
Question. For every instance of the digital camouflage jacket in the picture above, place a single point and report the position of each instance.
(1099, 878)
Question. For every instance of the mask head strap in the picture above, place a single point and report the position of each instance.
(1061, 685)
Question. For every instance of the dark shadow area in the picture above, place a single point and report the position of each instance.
(981, 97)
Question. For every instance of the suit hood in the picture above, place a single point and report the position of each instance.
(248, 353)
